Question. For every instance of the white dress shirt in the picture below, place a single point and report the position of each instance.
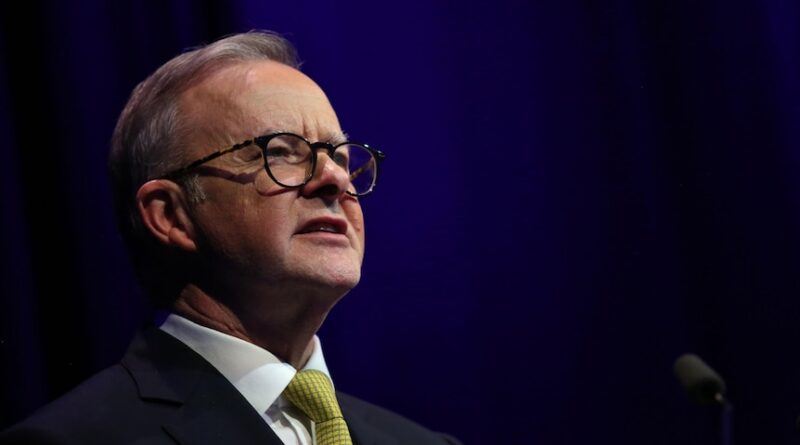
(255, 372)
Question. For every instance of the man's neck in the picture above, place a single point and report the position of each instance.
(287, 333)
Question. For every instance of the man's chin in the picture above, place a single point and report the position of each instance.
(339, 266)
(342, 281)
(334, 275)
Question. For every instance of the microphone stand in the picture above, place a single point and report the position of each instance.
(726, 419)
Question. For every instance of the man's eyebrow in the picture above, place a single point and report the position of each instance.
(334, 138)
(338, 138)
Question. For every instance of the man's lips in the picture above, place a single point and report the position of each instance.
(324, 225)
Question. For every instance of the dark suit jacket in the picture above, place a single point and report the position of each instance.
(162, 392)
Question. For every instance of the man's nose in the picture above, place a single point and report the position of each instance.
(329, 181)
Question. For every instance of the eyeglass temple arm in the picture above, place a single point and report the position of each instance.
(205, 159)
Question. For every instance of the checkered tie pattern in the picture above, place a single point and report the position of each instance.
(312, 392)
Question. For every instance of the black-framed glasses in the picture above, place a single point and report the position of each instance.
(290, 160)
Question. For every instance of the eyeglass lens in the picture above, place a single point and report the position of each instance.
(289, 162)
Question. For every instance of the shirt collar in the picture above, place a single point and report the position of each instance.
(256, 373)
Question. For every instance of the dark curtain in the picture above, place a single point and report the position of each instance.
(576, 192)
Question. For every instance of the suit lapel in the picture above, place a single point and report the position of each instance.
(208, 409)
(361, 429)
(363, 433)
(216, 414)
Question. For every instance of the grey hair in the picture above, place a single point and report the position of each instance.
(144, 144)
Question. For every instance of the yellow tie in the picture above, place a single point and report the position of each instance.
(311, 391)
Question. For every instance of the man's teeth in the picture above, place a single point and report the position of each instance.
(323, 228)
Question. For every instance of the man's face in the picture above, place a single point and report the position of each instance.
(252, 232)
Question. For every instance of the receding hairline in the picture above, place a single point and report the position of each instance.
(251, 70)
(220, 88)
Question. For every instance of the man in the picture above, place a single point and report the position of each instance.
(238, 196)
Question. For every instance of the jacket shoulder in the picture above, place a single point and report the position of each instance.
(102, 409)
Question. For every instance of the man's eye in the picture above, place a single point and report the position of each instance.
(279, 151)
(341, 159)
(287, 155)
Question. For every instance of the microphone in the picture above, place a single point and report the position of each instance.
(704, 385)
(701, 382)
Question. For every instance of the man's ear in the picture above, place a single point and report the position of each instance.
(164, 212)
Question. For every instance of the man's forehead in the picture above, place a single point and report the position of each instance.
(257, 98)
(298, 117)
(271, 77)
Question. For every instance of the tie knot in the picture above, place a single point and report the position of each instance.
(312, 392)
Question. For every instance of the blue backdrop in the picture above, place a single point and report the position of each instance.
(576, 192)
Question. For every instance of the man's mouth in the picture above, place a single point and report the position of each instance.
(325, 225)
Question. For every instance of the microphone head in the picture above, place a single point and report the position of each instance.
(698, 379)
